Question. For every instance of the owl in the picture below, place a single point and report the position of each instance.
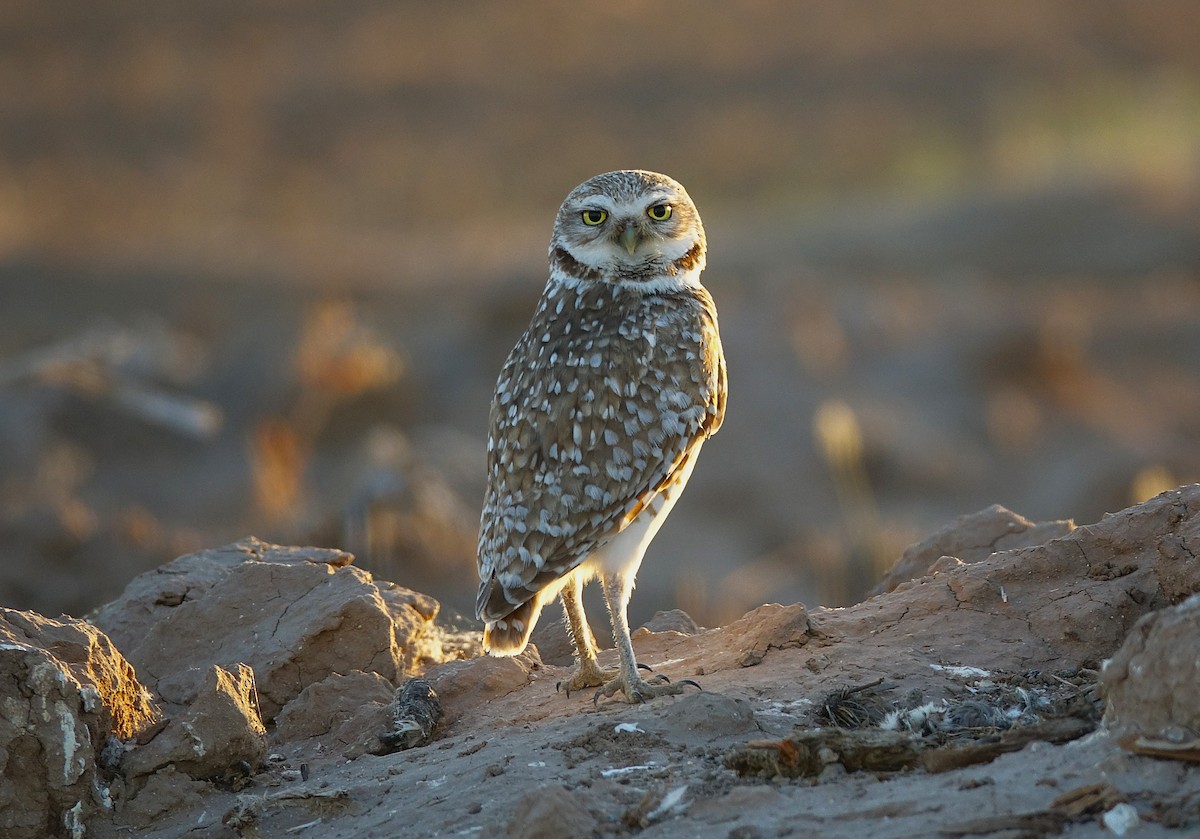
(598, 418)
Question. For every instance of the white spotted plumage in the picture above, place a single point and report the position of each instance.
(599, 414)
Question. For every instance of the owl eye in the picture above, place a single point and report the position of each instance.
(659, 212)
(593, 218)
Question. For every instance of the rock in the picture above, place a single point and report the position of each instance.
(1178, 568)
(553, 642)
(65, 692)
(672, 620)
(1152, 683)
(166, 793)
(219, 732)
(971, 538)
(1064, 604)
(463, 685)
(295, 615)
(768, 627)
(152, 597)
(344, 713)
(550, 812)
(122, 708)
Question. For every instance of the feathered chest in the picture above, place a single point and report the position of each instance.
(597, 407)
(601, 368)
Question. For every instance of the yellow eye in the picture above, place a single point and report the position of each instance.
(594, 217)
(659, 212)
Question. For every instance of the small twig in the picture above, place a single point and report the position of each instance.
(89, 364)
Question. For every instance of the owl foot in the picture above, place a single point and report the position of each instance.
(589, 675)
(638, 690)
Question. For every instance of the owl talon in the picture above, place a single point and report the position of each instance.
(588, 675)
(640, 691)
(694, 684)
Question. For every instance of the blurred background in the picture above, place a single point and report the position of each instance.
(260, 264)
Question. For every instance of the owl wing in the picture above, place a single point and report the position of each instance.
(585, 432)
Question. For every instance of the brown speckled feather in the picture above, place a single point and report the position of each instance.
(597, 408)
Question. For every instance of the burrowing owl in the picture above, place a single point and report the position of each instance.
(599, 415)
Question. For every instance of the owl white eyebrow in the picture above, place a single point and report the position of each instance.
(597, 202)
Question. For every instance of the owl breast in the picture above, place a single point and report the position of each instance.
(596, 409)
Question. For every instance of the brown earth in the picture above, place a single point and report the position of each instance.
(958, 703)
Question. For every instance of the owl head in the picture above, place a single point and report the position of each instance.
(630, 227)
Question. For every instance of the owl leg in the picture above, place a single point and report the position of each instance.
(589, 673)
(617, 589)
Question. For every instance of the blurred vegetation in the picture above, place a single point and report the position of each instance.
(230, 132)
(260, 263)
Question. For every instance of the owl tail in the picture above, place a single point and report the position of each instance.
(510, 634)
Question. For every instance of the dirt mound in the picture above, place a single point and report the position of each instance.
(67, 699)
(1152, 683)
(294, 615)
(976, 679)
(219, 733)
(971, 538)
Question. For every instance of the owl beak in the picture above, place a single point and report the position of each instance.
(630, 238)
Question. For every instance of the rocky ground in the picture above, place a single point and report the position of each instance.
(1010, 678)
